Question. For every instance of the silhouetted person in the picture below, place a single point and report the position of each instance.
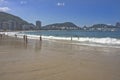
(40, 38)
(15, 35)
(71, 38)
(0, 35)
(24, 37)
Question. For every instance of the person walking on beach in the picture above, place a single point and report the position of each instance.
(24, 37)
(40, 38)
(0, 35)
(26, 40)
(15, 35)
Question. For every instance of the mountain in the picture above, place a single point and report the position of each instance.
(8, 21)
(12, 22)
(102, 27)
(7, 17)
(118, 24)
(61, 26)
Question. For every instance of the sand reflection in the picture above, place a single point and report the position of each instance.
(52, 60)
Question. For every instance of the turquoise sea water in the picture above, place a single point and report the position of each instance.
(76, 33)
(104, 38)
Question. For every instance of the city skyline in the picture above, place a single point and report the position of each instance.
(80, 12)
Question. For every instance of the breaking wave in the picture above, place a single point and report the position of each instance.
(107, 41)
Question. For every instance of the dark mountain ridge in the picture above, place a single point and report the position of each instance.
(61, 26)
(9, 17)
(12, 22)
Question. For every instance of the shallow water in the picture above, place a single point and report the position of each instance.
(56, 60)
(98, 38)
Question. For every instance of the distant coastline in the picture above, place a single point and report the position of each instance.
(9, 22)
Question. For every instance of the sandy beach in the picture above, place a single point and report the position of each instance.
(56, 60)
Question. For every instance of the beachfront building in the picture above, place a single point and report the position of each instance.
(28, 27)
(7, 25)
(0, 25)
(38, 25)
(12, 25)
(118, 24)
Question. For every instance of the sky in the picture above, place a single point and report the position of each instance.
(80, 12)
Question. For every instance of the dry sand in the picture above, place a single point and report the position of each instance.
(55, 60)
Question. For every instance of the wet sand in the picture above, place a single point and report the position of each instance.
(55, 60)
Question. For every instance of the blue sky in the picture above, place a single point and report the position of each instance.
(80, 12)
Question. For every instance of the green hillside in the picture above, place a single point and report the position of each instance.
(7, 17)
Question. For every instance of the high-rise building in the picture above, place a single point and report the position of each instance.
(0, 25)
(118, 24)
(5, 26)
(38, 25)
(28, 27)
(12, 25)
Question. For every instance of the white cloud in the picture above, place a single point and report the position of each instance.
(4, 9)
(23, 2)
(60, 4)
(3, 2)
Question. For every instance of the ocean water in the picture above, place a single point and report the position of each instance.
(78, 37)
(76, 33)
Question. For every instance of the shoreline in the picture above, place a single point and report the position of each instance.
(74, 41)
(55, 60)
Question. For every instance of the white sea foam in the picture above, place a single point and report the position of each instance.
(100, 40)
(80, 40)
(107, 40)
(12, 34)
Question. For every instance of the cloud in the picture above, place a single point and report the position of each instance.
(3, 2)
(60, 4)
(23, 2)
(4, 9)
